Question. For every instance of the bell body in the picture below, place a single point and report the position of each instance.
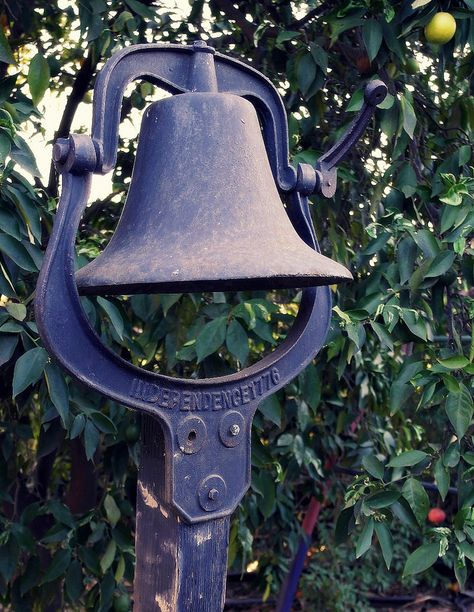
(203, 212)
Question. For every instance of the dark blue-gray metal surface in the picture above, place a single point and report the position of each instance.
(195, 463)
(203, 481)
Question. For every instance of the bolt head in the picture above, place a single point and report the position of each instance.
(234, 430)
(213, 494)
(61, 150)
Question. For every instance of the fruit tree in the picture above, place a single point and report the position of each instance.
(389, 398)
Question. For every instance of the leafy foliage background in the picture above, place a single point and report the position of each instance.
(390, 396)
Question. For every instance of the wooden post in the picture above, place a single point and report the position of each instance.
(179, 567)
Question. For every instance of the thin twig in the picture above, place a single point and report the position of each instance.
(79, 89)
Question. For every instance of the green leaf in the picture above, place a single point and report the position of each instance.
(77, 426)
(372, 36)
(58, 391)
(377, 244)
(306, 72)
(30, 578)
(414, 322)
(237, 341)
(408, 114)
(356, 101)
(344, 524)
(467, 549)
(141, 9)
(108, 556)
(387, 103)
(455, 362)
(403, 511)
(38, 77)
(11, 328)
(120, 571)
(452, 455)
(460, 572)
(58, 566)
(386, 543)
(407, 459)
(103, 423)
(421, 559)
(74, 582)
(17, 252)
(427, 242)
(5, 147)
(211, 337)
(382, 334)
(61, 513)
(23, 155)
(382, 499)
(286, 35)
(265, 486)
(6, 55)
(442, 478)
(7, 347)
(9, 224)
(441, 264)
(373, 466)
(28, 369)
(113, 314)
(168, 300)
(111, 509)
(417, 498)
(29, 212)
(365, 538)
(407, 181)
(91, 439)
(459, 408)
(339, 25)
(271, 409)
(406, 256)
(311, 386)
(320, 56)
(9, 558)
(17, 311)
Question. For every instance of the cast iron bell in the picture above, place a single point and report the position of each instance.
(203, 212)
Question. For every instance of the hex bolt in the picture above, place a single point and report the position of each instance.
(234, 430)
(213, 494)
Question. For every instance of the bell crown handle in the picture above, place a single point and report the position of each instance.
(326, 166)
(178, 69)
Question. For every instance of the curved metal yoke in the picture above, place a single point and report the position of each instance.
(206, 423)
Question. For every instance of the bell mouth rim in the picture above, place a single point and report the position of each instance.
(212, 285)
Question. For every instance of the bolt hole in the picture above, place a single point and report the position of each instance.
(192, 435)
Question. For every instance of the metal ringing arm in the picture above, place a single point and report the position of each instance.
(323, 177)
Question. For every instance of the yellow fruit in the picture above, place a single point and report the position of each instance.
(440, 29)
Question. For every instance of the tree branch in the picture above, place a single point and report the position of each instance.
(79, 89)
(249, 29)
(227, 7)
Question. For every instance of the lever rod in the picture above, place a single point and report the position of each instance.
(326, 166)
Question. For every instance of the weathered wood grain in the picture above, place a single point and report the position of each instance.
(179, 567)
